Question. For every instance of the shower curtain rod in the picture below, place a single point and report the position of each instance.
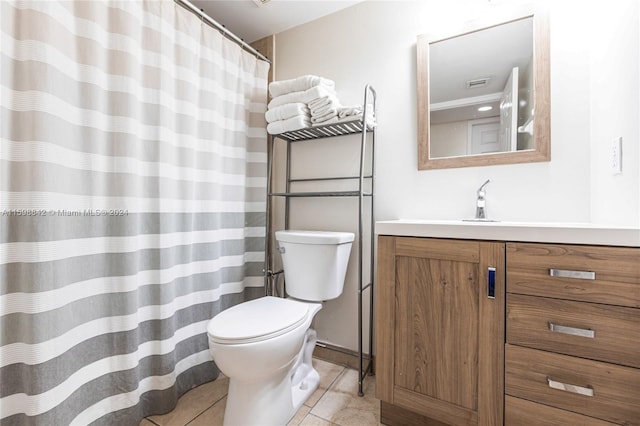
(188, 5)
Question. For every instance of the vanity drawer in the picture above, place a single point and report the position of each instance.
(596, 389)
(609, 275)
(522, 412)
(589, 330)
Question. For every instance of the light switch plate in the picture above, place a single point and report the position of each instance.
(616, 156)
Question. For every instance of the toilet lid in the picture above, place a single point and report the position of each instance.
(314, 237)
(256, 320)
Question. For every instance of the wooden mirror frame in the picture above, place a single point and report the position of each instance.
(542, 101)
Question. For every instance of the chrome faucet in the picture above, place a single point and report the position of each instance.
(480, 202)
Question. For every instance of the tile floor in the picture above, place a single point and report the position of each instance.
(335, 402)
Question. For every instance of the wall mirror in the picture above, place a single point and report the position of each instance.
(484, 93)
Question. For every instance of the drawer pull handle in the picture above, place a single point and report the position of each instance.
(581, 390)
(491, 282)
(564, 273)
(582, 332)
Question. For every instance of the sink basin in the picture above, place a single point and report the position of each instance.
(483, 229)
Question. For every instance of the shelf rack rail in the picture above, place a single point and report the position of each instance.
(363, 127)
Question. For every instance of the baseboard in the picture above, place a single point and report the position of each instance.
(341, 356)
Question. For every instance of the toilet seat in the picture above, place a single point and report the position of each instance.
(257, 320)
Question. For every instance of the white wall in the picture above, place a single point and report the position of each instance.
(594, 97)
(615, 65)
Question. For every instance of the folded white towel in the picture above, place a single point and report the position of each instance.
(346, 111)
(294, 123)
(322, 108)
(329, 113)
(304, 97)
(323, 100)
(282, 112)
(298, 84)
(371, 121)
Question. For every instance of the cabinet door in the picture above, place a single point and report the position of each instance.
(441, 335)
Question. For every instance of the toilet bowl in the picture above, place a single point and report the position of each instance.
(256, 344)
(265, 345)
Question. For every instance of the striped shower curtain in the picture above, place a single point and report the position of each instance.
(132, 205)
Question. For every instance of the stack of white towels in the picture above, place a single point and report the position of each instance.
(308, 101)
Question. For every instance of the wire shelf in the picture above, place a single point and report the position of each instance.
(320, 194)
(342, 128)
(325, 131)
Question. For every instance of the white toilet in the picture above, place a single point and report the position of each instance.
(265, 345)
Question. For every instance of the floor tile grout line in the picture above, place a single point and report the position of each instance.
(205, 410)
(310, 407)
(335, 380)
(210, 406)
(197, 415)
(328, 387)
(342, 373)
(320, 418)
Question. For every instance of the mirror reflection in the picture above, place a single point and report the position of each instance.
(484, 93)
(481, 91)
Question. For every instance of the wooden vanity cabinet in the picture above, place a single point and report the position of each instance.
(573, 335)
(440, 333)
(570, 355)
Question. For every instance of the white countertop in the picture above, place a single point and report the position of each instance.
(566, 233)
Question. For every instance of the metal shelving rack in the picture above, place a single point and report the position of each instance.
(333, 130)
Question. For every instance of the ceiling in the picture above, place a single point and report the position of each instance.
(500, 48)
(251, 22)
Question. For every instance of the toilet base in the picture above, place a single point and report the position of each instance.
(304, 379)
(276, 402)
(275, 405)
(259, 403)
(303, 391)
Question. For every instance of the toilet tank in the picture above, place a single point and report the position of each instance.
(314, 262)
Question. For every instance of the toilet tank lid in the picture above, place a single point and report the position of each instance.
(314, 237)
